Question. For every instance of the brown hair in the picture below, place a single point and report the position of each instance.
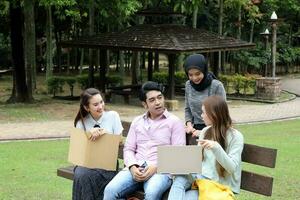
(85, 97)
(217, 111)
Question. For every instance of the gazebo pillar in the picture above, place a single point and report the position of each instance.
(103, 65)
(150, 65)
(156, 61)
(171, 103)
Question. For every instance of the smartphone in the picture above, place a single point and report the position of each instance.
(143, 166)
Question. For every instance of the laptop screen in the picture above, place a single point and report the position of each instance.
(179, 159)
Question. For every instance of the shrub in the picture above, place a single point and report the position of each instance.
(180, 78)
(55, 84)
(71, 82)
(114, 80)
(239, 84)
(83, 81)
(162, 77)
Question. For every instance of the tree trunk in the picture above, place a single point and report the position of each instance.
(30, 51)
(220, 30)
(239, 32)
(122, 64)
(251, 32)
(58, 57)
(81, 60)
(49, 64)
(134, 67)
(239, 36)
(20, 94)
(195, 16)
(91, 51)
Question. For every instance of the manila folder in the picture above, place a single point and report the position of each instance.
(102, 153)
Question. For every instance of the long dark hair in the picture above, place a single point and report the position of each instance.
(217, 111)
(85, 97)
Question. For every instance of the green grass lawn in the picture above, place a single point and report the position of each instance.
(28, 169)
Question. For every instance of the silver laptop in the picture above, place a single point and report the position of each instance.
(179, 159)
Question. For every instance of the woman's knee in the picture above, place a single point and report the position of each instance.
(110, 189)
(156, 187)
(80, 172)
(192, 194)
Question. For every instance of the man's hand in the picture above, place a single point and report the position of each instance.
(142, 174)
(149, 171)
(136, 173)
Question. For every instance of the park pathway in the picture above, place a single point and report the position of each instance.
(240, 113)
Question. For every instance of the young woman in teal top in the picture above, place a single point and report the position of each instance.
(222, 149)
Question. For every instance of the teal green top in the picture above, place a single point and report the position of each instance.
(229, 159)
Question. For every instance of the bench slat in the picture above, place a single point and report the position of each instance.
(259, 155)
(66, 172)
(250, 181)
(257, 183)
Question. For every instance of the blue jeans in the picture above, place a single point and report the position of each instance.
(123, 184)
(180, 189)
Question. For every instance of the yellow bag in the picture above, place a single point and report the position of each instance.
(211, 190)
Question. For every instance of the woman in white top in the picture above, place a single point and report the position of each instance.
(88, 183)
(222, 149)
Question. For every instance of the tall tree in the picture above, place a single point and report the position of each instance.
(20, 90)
(48, 5)
(29, 42)
(91, 33)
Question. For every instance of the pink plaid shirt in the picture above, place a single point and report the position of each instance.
(146, 134)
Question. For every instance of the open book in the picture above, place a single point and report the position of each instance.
(102, 153)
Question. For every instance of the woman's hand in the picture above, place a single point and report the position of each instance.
(189, 129)
(96, 133)
(207, 144)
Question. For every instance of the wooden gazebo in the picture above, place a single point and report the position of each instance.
(170, 39)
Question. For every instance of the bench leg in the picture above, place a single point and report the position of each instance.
(126, 99)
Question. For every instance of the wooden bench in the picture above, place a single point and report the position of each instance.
(126, 91)
(251, 181)
(5, 71)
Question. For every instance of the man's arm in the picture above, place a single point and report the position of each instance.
(130, 147)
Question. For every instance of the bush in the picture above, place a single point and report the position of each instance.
(180, 78)
(162, 77)
(55, 84)
(71, 82)
(114, 80)
(83, 81)
(239, 84)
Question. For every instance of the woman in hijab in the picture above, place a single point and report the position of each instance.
(200, 85)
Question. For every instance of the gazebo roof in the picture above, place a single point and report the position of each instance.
(167, 38)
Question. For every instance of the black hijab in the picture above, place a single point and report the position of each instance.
(197, 61)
